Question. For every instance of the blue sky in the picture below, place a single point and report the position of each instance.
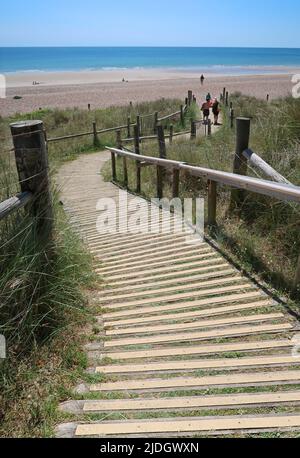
(265, 23)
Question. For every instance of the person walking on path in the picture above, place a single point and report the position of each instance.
(208, 97)
(216, 111)
(206, 111)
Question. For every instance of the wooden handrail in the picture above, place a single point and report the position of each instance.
(268, 188)
(8, 206)
(163, 118)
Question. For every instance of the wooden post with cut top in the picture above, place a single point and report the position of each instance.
(224, 94)
(227, 99)
(155, 122)
(171, 134)
(193, 130)
(137, 151)
(181, 115)
(96, 142)
(240, 162)
(128, 127)
(120, 146)
(162, 155)
(209, 127)
(33, 171)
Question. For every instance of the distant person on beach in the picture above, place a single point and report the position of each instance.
(216, 111)
(206, 110)
(202, 79)
(208, 97)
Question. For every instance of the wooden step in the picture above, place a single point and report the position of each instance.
(199, 350)
(230, 298)
(178, 297)
(194, 324)
(202, 335)
(186, 315)
(223, 280)
(186, 383)
(232, 401)
(190, 425)
(188, 365)
(170, 278)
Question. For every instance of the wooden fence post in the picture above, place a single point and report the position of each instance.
(186, 101)
(96, 139)
(128, 127)
(231, 118)
(227, 99)
(33, 171)
(190, 97)
(175, 184)
(138, 123)
(161, 142)
(240, 162)
(193, 130)
(181, 115)
(89, 106)
(268, 97)
(212, 203)
(209, 127)
(155, 122)
(171, 134)
(137, 151)
(120, 146)
(119, 139)
(224, 94)
(162, 155)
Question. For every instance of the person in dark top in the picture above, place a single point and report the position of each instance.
(216, 111)
(202, 79)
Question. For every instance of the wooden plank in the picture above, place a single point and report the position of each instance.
(204, 424)
(206, 381)
(177, 279)
(149, 240)
(188, 365)
(204, 335)
(199, 349)
(150, 255)
(164, 290)
(194, 324)
(181, 296)
(183, 305)
(176, 269)
(195, 402)
(167, 260)
(186, 315)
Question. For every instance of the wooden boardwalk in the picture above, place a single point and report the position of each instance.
(188, 345)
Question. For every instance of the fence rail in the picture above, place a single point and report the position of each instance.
(12, 204)
(238, 181)
(127, 126)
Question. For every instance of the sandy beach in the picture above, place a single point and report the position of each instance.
(106, 88)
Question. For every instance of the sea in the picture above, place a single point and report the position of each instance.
(231, 61)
